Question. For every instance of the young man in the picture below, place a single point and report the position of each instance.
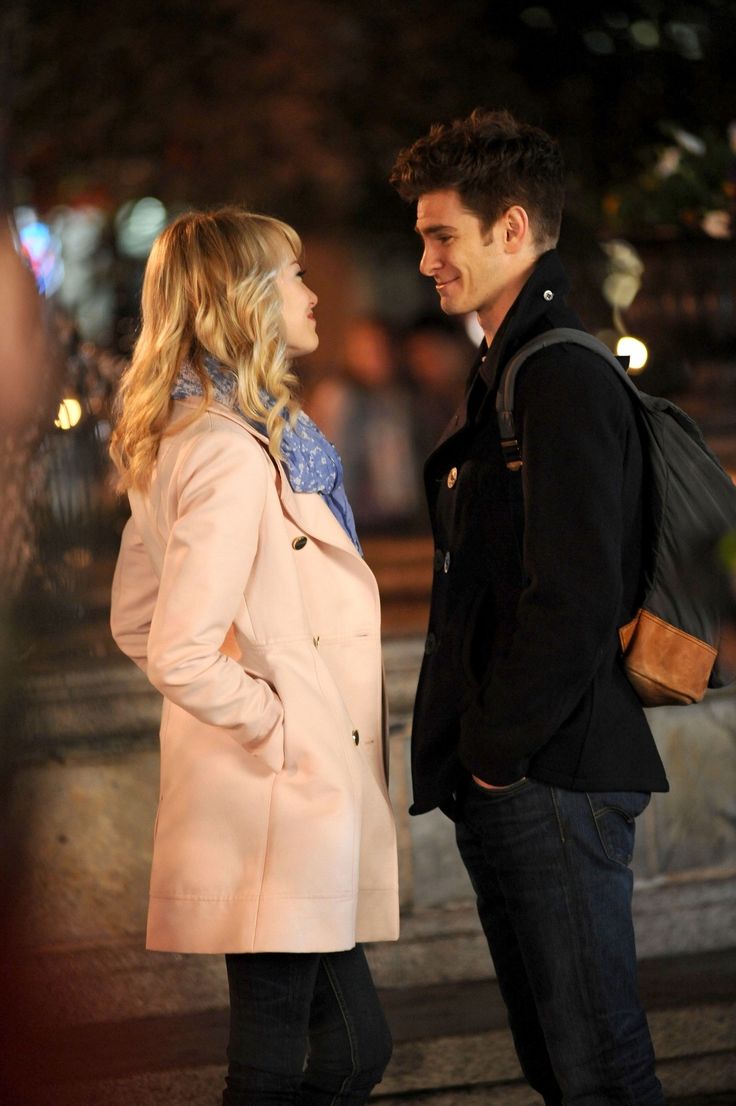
(526, 729)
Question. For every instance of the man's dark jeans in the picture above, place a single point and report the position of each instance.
(305, 1028)
(550, 868)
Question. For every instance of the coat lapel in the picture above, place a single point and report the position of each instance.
(306, 510)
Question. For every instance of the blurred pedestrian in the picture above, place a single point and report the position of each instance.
(367, 412)
(526, 729)
(28, 377)
(241, 591)
(436, 354)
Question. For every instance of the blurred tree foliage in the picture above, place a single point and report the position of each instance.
(300, 107)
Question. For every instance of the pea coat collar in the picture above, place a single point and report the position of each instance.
(307, 512)
(541, 305)
(535, 310)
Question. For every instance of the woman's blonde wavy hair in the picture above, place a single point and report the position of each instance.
(209, 288)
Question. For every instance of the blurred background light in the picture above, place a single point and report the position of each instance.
(625, 270)
(645, 34)
(686, 38)
(635, 350)
(87, 291)
(70, 412)
(668, 162)
(691, 143)
(717, 224)
(42, 249)
(138, 223)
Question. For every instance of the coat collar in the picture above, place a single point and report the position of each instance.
(306, 511)
(535, 310)
(541, 305)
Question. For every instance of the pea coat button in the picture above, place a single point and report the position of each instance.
(452, 477)
(299, 543)
(548, 295)
(430, 644)
(356, 737)
(446, 563)
(439, 559)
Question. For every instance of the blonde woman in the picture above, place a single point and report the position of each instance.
(242, 593)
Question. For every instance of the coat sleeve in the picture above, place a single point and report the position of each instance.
(574, 426)
(219, 497)
(134, 590)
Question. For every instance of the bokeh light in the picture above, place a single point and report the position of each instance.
(635, 350)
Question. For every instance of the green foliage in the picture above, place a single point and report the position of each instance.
(678, 184)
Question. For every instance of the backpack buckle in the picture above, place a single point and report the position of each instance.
(511, 454)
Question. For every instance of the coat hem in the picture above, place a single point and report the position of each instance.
(273, 923)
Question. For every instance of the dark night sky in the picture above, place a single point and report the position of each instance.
(301, 107)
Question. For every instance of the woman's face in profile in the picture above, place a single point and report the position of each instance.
(298, 303)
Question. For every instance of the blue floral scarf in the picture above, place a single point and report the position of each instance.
(312, 463)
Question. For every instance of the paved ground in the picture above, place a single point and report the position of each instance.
(450, 1035)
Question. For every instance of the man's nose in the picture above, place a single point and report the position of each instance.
(428, 263)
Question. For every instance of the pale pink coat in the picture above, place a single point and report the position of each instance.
(274, 830)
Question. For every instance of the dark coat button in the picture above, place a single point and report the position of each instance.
(439, 559)
(430, 644)
(446, 563)
(356, 737)
(299, 543)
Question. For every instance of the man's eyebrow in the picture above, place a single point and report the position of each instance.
(433, 229)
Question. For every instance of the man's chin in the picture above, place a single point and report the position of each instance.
(450, 308)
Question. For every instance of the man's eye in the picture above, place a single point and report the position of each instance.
(444, 239)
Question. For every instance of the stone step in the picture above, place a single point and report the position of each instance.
(449, 1038)
(671, 917)
(439, 946)
(110, 702)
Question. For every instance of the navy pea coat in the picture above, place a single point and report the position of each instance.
(534, 574)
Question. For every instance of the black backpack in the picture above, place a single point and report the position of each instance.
(670, 649)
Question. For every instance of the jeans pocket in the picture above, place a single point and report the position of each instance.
(614, 814)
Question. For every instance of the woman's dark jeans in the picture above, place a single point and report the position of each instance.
(305, 1028)
(551, 871)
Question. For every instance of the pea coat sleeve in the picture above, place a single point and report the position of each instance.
(217, 501)
(575, 418)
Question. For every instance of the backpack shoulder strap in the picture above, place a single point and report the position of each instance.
(507, 385)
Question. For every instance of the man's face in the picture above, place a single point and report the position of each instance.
(468, 264)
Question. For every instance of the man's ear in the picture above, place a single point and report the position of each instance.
(515, 229)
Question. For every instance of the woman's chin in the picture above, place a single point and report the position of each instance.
(304, 347)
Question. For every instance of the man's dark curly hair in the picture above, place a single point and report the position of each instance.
(493, 162)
